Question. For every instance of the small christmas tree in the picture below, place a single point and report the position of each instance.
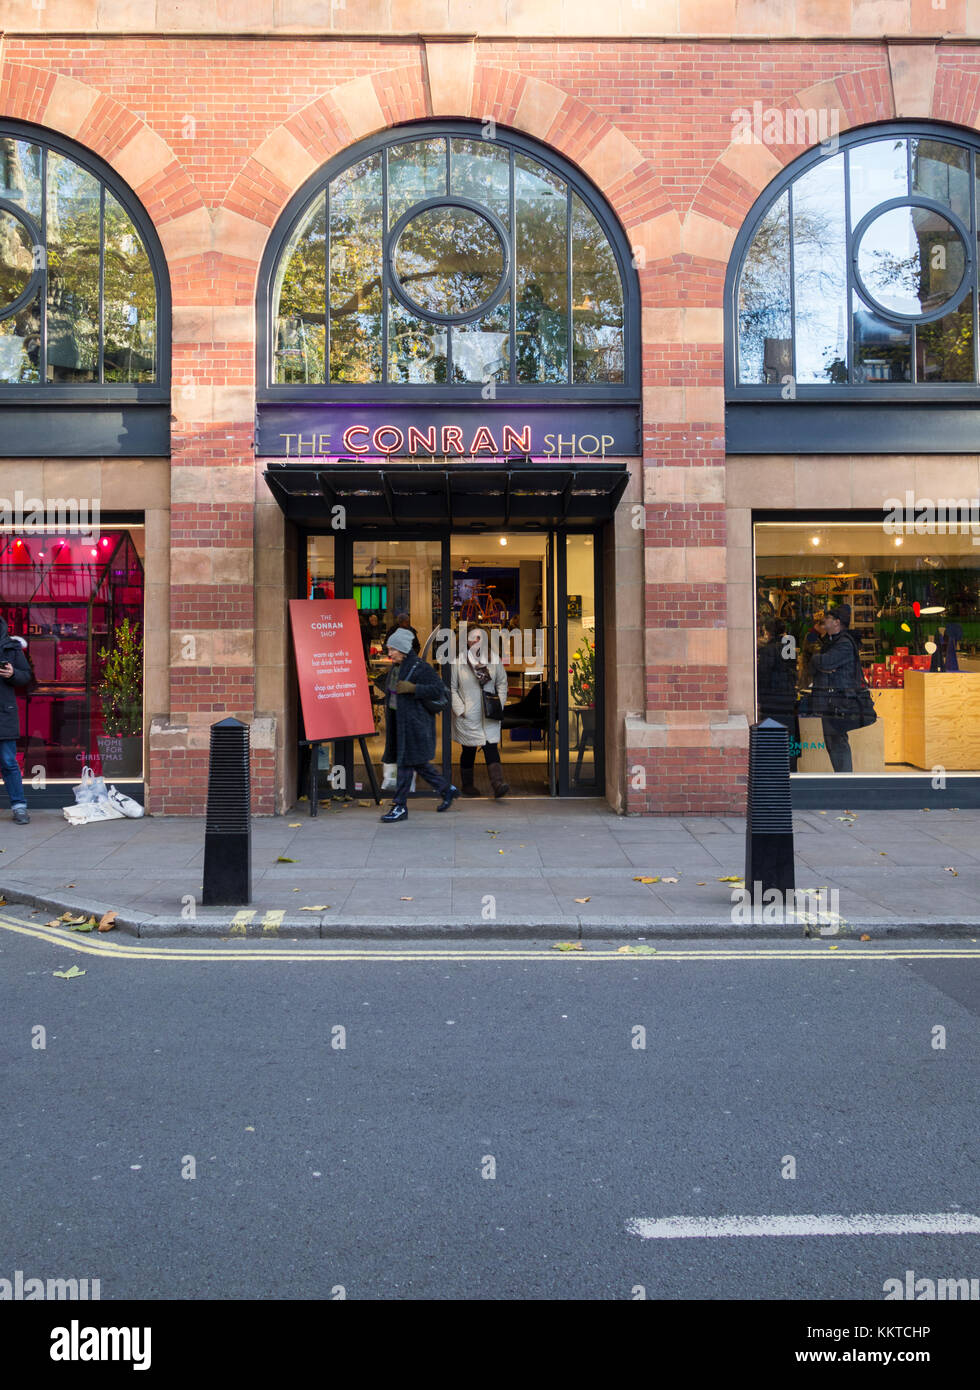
(582, 672)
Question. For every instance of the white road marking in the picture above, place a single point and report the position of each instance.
(945, 1223)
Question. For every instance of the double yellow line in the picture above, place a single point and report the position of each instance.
(593, 952)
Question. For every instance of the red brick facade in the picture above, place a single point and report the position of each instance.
(216, 133)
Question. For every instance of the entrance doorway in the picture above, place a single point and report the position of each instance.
(538, 597)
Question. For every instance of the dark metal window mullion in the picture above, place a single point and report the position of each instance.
(913, 331)
(43, 353)
(569, 287)
(326, 285)
(792, 286)
(561, 684)
(848, 270)
(384, 266)
(101, 376)
(972, 170)
(449, 327)
(512, 376)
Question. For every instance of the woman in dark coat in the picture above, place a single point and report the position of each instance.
(777, 683)
(837, 679)
(14, 672)
(415, 726)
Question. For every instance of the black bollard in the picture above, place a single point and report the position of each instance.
(769, 861)
(228, 827)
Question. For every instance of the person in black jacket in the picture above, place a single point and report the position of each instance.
(777, 683)
(837, 679)
(415, 726)
(14, 672)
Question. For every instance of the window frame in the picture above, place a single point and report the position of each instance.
(97, 393)
(448, 393)
(881, 393)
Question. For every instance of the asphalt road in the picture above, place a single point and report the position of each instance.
(489, 1129)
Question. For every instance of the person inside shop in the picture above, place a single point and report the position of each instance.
(837, 685)
(403, 620)
(811, 644)
(479, 693)
(777, 683)
(14, 673)
(418, 692)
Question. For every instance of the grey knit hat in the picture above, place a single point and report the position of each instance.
(401, 639)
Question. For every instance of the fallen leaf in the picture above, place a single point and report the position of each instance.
(951, 870)
(821, 813)
(670, 880)
(566, 946)
(833, 948)
(55, 923)
(295, 825)
(72, 973)
(501, 851)
(317, 907)
(294, 890)
(865, 937)
(283, 860)
(88, 925)
(702, 883)
(638, 878)
(583, 900)
(107, 920)
(883, 853)
(731, 878)
(364, 803)
(407, 900)
(249, 1129)
(637, 951)
(74, 919)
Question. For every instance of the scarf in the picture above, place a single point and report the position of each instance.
(481, 671)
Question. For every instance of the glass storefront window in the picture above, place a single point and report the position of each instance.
(448, 260)
(912, 608)
(78, 300)
(77, 600)
(862, 269)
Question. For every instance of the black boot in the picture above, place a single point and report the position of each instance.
(500, 787)
(469, 787)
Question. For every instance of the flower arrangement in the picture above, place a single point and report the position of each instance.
(582, 673)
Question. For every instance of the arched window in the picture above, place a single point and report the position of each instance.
(855, 275)
(83, 300)
(433, 257)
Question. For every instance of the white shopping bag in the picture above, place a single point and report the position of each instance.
(90, 811)
(90, 788)
(125, 804)
(389, 779)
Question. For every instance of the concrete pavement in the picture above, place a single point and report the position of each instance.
(519, 868)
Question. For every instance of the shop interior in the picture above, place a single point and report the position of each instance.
(499, 582)
(77, 601)
(915, 612)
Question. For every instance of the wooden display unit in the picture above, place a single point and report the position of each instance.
(942, 720)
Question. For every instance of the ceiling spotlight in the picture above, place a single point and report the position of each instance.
(814, 540)
(899, 540)
(839, 564)
(503, 540)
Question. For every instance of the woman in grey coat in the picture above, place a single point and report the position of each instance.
(475, 672)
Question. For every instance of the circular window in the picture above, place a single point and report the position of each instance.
(449, 260)
(911, 261)
(18, 269)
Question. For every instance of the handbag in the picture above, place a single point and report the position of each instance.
(492, 708)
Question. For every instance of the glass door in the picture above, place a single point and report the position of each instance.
(580, 711)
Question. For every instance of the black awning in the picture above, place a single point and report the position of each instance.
(467, 496)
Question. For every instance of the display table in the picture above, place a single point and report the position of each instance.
(867, 747)
(941, 723)
(890, 707)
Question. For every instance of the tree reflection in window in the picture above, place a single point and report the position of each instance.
(91, 314)
(504, 273)
(862, 269)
